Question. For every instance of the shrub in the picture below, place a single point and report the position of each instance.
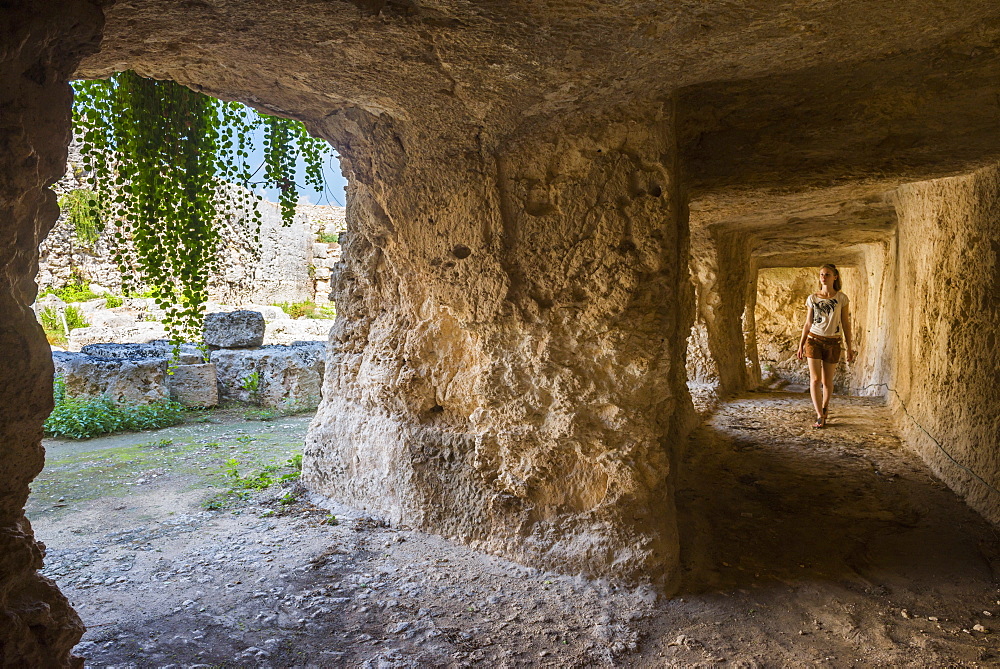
(297, 309)
(75, 291)
(52, 323)
(86, 417)
(328, 238)
(307, 309)
(112, 301)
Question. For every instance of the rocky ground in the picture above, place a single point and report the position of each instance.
(801, 548)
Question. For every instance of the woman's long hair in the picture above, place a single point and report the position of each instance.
(833, 268)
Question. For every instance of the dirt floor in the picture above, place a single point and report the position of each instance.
(801, 548)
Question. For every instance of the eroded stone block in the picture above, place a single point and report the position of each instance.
(141, 380)
(235, 329)
(272, 376)
(194, 385)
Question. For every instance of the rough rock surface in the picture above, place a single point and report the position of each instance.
(289, 331)
(508, 363)
(139, 333)
(194, 385)
(137, 380)
(944, 358)
(285, 375)
(189, 353)
(234, 329)
(42, 45)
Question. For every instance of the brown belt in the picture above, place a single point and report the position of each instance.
(824, 340)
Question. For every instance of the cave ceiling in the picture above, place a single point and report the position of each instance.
(780, 106)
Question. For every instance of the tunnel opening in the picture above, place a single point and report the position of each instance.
(517, 280)
(776, 328)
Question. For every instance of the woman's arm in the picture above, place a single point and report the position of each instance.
(805, 332)
(845, 322)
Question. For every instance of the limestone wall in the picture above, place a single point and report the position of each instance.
(722, 272)
(945, 324)
(505, 365)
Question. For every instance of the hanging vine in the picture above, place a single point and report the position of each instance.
(170, 167)
(80, 208)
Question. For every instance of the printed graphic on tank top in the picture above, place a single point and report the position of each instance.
(826, 314)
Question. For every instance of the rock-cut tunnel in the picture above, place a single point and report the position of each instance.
(557, 211)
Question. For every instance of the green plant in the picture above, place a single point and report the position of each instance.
(260, 414)
(295, 464)
(54, 326)
(244, 438)
(85, 417)
(328, 237)
(84, 213)
(232, 468)
(251, 384)
(112, 301)
(331, 519)
(297, 309)
(74, 291)
(74, 318)
(162, 160)
(259, 481)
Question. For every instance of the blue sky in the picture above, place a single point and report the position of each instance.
(335, 181)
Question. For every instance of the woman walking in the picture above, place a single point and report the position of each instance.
(827, 319)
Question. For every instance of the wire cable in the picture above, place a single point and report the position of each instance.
(930, 436)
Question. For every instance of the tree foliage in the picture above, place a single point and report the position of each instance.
(170, 167)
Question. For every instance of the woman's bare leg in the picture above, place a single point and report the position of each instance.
(829, 372)
(816, 384)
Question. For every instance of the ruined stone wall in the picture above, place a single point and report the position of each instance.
(42, 43)
(945, 330)
(288, 265)
(516, 384)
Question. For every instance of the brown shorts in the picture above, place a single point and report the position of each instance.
(826, 349)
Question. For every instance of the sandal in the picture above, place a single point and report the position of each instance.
(820, 423)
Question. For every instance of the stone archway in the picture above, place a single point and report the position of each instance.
(515, 302)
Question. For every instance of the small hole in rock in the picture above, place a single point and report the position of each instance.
(437, 408)
(461, 251)
(656, 191)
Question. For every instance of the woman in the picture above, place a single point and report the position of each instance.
(828, 317)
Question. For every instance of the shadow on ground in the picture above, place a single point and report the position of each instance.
(765, 496)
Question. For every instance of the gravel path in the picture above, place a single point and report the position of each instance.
(802, 548)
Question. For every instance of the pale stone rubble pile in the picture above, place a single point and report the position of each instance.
(239, 366)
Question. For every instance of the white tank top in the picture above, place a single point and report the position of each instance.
(826, 314)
